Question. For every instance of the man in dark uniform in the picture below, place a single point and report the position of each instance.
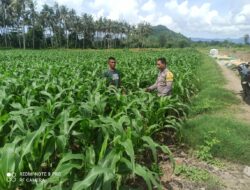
(112, 75)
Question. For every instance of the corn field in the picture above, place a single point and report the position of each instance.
(57, 116)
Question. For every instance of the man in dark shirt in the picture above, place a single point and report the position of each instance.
(112, 75)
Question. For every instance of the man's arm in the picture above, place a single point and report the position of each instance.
(153, 87)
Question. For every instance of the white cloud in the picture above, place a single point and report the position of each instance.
(117, 10)
(167, 21)
(201, 13)
(161, 19)
(172, 4)
(78, 5)
(100, 13)
(149, 6)
(246, 10)
(226, 30)
(149, 18)
(243, 17)
(202, 18)
(204, 13)
(240, 19)
(181, 8)
(39, 4)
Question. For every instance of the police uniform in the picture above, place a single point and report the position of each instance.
(163, 83)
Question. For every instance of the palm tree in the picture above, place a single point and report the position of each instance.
(88, 30)
(16, 10)
(246, 38)
(109, 28)
(142, 31)
(33, 18)
(46, 18)
(21, 8)
(71, 24)
(99, 30)
(64, 22)
(77, 26)
(4, 4)
(57, 24)
(102, 31)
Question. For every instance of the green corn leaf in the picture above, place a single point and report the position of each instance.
(9, 160)
(91, 177)
(129, 149)
(104, 147)
(151, 144)
(31, 138)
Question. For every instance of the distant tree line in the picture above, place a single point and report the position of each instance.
(22, 26)
(225, 43)
(214, 43)
(242, 42)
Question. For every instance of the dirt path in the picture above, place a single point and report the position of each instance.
(242, 110)
(229, 176)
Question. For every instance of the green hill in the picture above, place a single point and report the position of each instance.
(161, 35)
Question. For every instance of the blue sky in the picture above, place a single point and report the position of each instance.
(193, 18)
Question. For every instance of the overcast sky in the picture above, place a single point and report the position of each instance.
(193, 18)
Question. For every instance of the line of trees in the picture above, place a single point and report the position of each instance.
(22, 26)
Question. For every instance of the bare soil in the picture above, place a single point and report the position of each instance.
(242, 55)
(230, 176)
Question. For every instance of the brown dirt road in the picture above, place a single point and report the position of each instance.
(242, 110)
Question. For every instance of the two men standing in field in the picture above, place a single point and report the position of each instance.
(163, 84)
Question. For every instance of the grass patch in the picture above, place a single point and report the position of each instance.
(233, 136)
(210, 113)
(198, 175)
(212, 95)
(192, 173)
(212, 98)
